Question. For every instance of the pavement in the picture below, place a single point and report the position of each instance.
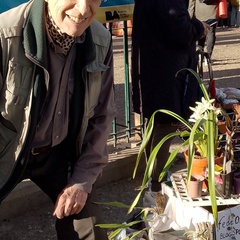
(122, 161)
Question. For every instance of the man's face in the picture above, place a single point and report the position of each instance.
(73, 16)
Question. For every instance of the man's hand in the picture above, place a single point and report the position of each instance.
(70, 201)
(206, 29)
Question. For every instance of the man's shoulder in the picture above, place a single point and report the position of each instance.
(15, 17)
(97, 28)
(100, 34)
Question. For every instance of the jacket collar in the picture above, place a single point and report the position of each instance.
(34, 33)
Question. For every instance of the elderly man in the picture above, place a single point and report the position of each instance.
(57, 106)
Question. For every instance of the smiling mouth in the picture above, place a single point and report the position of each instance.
(76, 19)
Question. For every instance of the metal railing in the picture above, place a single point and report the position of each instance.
(126, 129)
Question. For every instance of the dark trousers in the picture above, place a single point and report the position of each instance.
(160, 130)
(210, 40)
(49, 171)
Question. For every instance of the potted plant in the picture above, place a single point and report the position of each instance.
(201, 136)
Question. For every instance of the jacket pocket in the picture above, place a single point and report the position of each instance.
(93, 87)
(18, 82)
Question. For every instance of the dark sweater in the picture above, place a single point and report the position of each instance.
(165, 38)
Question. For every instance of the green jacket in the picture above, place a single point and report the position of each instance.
(23, 79)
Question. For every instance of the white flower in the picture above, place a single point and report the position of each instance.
(202, 109)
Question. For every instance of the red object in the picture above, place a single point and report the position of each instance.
(222, 8)
(212, 89)
(117, 28)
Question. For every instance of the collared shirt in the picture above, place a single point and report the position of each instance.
(53, 125)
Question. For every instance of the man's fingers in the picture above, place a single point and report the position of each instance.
(70, 201)
(76, 208)
(79, 202)
(60, 206)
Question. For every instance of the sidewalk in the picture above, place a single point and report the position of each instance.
(26, 212)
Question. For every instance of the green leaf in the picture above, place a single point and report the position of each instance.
(200, 82)
(114, 204)
(145, 140)
(136, 200)
(170, 161)
(211, 165)
(148, 133)
(115, 233)
(132, 235)
(112, 225)
(191, 148)
(152, 158)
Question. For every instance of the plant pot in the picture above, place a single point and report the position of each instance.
(224, 184)
(194, 189)
(236, 182)
(200, 164)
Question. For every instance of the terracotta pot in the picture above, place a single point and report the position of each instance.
(195, 186)
(200, 164)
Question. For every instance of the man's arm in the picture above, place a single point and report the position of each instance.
(94, 154)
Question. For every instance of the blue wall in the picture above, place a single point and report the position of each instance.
(7, 4)
(110, 3)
